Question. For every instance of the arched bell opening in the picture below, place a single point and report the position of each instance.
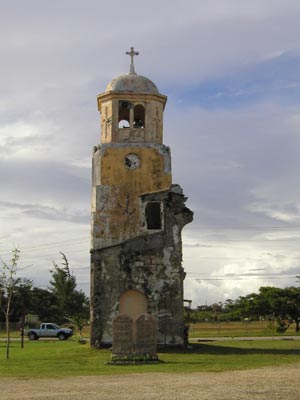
(139, 116)
(124, 114)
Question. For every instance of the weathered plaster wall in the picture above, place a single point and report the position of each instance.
(109, 106)
(106, 121)
(116, 206)
(150, 263)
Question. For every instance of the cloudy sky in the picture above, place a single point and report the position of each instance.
(231, 71)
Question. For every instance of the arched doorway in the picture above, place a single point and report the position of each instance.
(133, 303)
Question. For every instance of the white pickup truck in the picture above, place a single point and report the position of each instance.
(49, 330)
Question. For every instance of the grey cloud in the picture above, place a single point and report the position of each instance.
(83, 45)
(44, 182)
(187, 245)
(260, 275)
(58, 56)
(292, 271)
(279, 212)
(49, 213)
(261, 153)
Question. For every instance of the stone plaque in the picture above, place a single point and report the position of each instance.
(145, 335)
(122, 341)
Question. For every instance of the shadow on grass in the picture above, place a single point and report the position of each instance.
(201, 348)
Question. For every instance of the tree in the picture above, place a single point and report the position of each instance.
(23, 300)
(8, 283)
(44, 304)
(72, 303)
(291, 299)
(63, 285)
(283, 304)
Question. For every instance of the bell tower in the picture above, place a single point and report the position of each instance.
(137, 214)
(132, 109)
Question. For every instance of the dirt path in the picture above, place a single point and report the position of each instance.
(264, 383)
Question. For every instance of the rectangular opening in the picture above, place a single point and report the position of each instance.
(153, 215)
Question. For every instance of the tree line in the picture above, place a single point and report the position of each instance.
(61, 302)
(271, 303)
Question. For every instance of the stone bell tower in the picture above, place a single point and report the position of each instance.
(137, 214)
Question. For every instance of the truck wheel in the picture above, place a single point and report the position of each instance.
(61, 336)
(32, 336)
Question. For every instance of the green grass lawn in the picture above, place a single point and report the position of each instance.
(69, 358)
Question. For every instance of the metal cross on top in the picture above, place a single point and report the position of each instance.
(132, 53)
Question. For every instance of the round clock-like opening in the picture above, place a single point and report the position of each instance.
(132, 161)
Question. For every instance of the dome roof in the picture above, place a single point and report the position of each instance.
(132, 83)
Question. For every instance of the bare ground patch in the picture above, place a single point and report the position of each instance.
(264, 383)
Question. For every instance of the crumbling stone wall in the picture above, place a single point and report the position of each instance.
(150, 263)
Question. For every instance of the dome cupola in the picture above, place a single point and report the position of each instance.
(131, 108)
(132, 83)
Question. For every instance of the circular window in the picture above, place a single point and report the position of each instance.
(132, 161)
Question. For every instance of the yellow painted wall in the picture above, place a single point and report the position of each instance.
(118, 209)
(149, 177)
